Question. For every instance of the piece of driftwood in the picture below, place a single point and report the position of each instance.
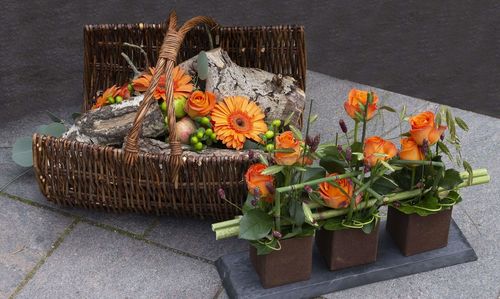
(156, 146)
(110, 124)
(277, 95)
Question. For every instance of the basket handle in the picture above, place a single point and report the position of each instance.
(165, 64)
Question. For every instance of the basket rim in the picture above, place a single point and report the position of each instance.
(154, 25)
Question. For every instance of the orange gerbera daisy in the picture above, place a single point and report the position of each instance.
(237, 118)
(103, 99)
(182, 83)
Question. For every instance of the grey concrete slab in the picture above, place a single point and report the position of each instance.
(8, 169)
(26, 235)
(27, 188)
(241, 281)
(195, 237)
(329, 95)
(97, 263)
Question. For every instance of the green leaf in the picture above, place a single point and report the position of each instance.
(54, 118)
(402, 114)
(461, 123)
(469, 170)
(450, 180)
(390, 109)
(357, 147)
(272, 169)
(247, 206)
(384, 185)
(250, 145)
(255, 225)
(296, 132)
(296, 212)
(445, 149)
(22, 152)
(387, 165)
(267, 248)
(313, 118)
(368, 228)
(75, 115)
(334, 223)
(41, 129)
(202, 65)
(263, 160)
(289, 119)
(55, 129)
(313, 173)
(451, 125)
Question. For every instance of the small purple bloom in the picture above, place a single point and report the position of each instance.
(308, 189)
(339, 148)
(277, 234)
(442, 136)
(348, 154)
(270, 187)
(343, 125)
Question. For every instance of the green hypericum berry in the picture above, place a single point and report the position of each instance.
(205, 121)
(194, 140)
(269, 134)
(163, 106)
(130, 88)
(200, 133)
(111, 100)
(276, 123)
(209, 132)
(270, 147)
(198, 146)
(213, 136)
(118, 99)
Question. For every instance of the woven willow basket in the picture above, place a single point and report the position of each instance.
(101, 177)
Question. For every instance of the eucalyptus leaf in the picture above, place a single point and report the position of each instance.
(202, 65)
(255, 225)
(55, 129)
(22, 152)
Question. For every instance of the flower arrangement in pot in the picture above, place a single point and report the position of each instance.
(290, 199)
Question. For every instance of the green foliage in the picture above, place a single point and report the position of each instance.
(461, 123)
(22, 152)
(296, 132)
(274, 169)
(202, 65)
(331, 160)
(388, 108)
(313, 173)
(384, 185)
(255, 224)
(265, 247)
(450, 179)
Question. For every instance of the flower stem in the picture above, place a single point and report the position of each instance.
(356, 131)
(413, 170)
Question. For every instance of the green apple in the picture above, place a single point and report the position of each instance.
(179, 105)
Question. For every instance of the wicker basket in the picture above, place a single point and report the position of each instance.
(101, 177)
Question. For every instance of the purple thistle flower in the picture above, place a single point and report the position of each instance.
(308, 189)
(222, 194)
(348, 154)
(313, 142)
(343, 126)
(425, 147)
(270, 187)
(277, 234)
(256, 193)
(339, 148)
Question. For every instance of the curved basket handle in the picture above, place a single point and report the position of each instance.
(165, 64)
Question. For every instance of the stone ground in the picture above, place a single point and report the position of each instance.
(51, 252)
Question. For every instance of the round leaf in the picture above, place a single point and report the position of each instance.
(202, 65)
(255, 225)
(22, 152)
(55, 129)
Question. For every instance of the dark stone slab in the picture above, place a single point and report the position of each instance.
(241, 281)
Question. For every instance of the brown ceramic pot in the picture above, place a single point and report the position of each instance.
(347, 247)
(290, 264)
(415, 234)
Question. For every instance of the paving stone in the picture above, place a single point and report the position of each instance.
(26, 187)
(9, 169)
(26, 235)
(195, 237)
(93, 262)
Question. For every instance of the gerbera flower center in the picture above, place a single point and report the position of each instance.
(240, 122)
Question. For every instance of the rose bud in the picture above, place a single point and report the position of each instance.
(343, 126)
(313, 143)
(442, 136)
(277, 234)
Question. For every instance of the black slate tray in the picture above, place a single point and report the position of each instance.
(241, 281)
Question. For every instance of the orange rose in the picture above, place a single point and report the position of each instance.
(333, 196)
(355, 99)
(410, 150)
(423, 128)
(286, 140)
(200, 104)
(375, 147)
(255, 179)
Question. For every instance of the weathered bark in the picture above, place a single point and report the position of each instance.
(110, 124)
(150, 145)
(278, 96)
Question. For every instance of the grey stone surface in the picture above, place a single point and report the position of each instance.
(27, 188)
(26, 235)
(241, 281)
(195, 237)
(96, 263)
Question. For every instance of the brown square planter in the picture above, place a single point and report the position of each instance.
(415, 234)
(290, 264)
(347, 247)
